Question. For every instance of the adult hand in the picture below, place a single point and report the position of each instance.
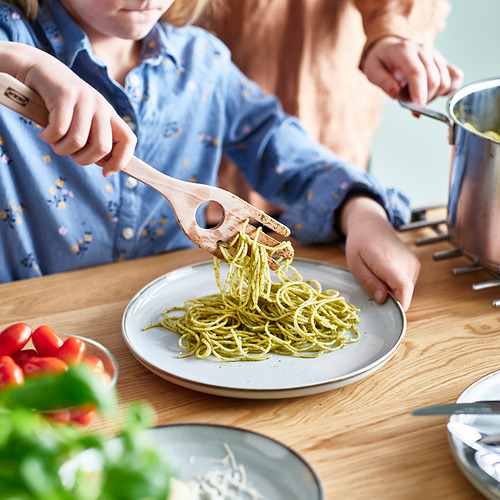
(375, 255)
(393, 63)
(81, 123)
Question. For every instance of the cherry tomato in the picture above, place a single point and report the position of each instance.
(72, 351)
(6, 360)
(95, 363)
(46, 341)
(105, 378)
(21, 356)
(11, 373)
(83, 415)
(14, 338)
(61, 416)
(43, 365)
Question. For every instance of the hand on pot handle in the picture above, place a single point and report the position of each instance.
(392, 63)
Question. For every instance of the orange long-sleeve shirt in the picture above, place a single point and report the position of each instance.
(308, 53)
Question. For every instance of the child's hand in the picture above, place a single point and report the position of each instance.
(393, 63)
(375, 254)
(82, 124)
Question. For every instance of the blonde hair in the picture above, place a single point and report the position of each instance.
(181, 12)
(184, 12)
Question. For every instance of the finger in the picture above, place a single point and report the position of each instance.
(380, 278)
(443, 86)
(100, 143)
(403, 293)
(444, 75)
(416, 75)
(60, 119)
(369, 281)
(402, 287)
(457, 77)
(432, 71)
(78, 133)
(124, 141)
(380, 75)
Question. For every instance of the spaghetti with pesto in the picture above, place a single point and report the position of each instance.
(253, 316)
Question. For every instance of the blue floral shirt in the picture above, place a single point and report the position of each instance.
(188, 105)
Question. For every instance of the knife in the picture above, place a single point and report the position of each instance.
(477, 408)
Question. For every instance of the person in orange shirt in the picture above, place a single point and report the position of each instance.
(332, 63)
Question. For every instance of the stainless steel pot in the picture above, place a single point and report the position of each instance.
(474, 194)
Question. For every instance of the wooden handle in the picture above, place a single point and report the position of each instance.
(21, 99)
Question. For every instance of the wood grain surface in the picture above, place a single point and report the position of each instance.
(361, 438)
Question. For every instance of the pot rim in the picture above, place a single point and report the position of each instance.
(466, 90)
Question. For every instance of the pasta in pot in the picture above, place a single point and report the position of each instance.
(490, 134)
(253, 316)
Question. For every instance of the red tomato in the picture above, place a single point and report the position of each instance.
(95, 363)
(72, 351)
(21, 356)
(46, 341)
(105, 378)
(83, 415)
(43, 365)
(14, 338)
(61, 416)
(11, 374)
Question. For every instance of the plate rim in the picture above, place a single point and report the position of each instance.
(241, 430)
(263, 393)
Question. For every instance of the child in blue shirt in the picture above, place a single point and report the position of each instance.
(125, 77)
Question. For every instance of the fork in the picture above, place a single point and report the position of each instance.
(184, 197)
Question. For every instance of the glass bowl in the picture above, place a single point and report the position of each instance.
(96, 349)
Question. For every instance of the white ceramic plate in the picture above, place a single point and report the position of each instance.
(382, 329)
(272, 469)
(484, 389)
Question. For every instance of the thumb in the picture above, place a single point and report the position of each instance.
(370, 282)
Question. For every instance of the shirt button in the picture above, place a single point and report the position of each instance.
(131, 183)
(128, 233)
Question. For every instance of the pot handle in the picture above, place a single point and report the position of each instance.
(404, 100)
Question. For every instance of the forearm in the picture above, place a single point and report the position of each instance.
(35, 68)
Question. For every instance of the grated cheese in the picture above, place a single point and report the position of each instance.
(229, 483)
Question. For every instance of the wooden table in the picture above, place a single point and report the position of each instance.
(361, 438)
